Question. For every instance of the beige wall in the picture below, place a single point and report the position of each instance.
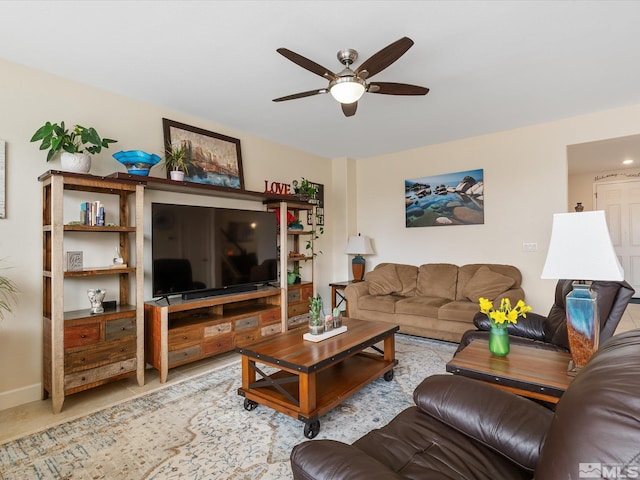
(524, 170)
(525, 176)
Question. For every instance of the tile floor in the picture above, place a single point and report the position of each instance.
(24, 419)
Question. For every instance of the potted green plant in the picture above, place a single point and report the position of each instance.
(316, 322)
(293, 275)
(176, 161)
(8, 294)
(305, 189)
(74, 145)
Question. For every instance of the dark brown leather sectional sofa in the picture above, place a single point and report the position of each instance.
(465, 429)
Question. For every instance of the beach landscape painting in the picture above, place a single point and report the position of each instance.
(448, 199)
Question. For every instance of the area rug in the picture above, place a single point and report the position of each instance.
(198, 428)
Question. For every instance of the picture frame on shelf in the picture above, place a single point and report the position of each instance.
(215, 159)
(74, 261)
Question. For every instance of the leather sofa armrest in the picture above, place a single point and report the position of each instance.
(508, 424)
(330, 459)
(532, 326)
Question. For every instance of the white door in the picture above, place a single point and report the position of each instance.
(621, 203)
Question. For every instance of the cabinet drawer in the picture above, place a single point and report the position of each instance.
(293, 295)
(184, 354)
(297, 309)
(219, 329)
(297, 321)
(74, 380)
(246, 336)
(306, 292)
(100, 354)
(270, 316)
(219, 344)
(125, 327)
(270, 330)
(183, 336)
(81, 335)
(249, 322)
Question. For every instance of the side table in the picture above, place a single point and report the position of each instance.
(337, 294)
(527, 371)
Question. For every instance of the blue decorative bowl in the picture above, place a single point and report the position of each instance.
(137, 161)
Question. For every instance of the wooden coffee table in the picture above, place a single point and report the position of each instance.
(527, 371)
(312, 378)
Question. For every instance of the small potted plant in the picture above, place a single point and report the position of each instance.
(305, 190)
(293, 276)
(176, 161)
(74, 145)
(316, 322)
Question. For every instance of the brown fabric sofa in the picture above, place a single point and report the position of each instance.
(436, 300)
(465, 429)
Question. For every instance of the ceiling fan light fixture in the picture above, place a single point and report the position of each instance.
(347, 89)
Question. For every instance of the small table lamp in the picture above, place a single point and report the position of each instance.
(580, 249)
(358, 246)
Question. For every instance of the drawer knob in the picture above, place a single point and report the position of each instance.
(83, 336)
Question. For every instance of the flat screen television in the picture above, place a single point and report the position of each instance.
(200, 251)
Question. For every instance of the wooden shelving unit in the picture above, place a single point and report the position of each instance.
(296, 297)
(83, 350)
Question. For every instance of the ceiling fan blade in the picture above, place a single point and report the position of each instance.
(307, 64)
(385, 57)
(349, 109)
(301, 95)
(391, 88)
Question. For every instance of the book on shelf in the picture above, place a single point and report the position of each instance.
(92, 214)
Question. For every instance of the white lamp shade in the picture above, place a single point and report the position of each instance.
(359, 245)
(581, 249)
(347, 91)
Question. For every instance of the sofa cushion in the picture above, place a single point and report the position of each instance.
(437, 280)
(459, 311)
(486, 283)
(379, 303)
(466, 273)
(408, 275)
(383, 280)
(425, 306)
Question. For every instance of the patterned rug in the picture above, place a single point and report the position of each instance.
(198, 428)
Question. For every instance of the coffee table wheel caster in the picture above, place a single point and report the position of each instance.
(388, 376)
(250, 404)
(312, 429)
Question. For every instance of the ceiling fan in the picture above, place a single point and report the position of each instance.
(349, 85)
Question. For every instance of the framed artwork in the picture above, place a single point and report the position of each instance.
(319, 206)
(3, 211)
(215, 158)
(449, 199)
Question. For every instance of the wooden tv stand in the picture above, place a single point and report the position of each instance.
(188, 330)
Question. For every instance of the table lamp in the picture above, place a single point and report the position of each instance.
(581, 249)
(358, 246)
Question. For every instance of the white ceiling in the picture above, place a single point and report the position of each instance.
(490, 66)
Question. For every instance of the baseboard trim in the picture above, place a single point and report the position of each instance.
(19, 396)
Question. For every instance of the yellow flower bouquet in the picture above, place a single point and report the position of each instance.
(505, 314)
(500, 318)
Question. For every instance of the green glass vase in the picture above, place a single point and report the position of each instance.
(499, 341)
